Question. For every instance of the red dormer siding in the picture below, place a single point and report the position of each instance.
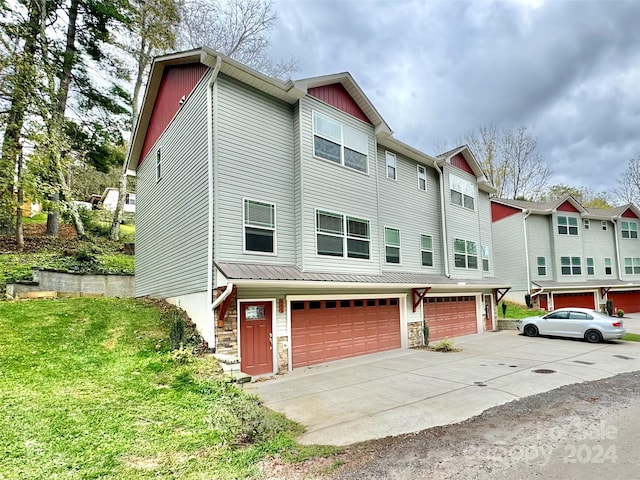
(499, 211)
(337, 96)
(177, 82)
(567, 207)
(460, 162)
(629, 214)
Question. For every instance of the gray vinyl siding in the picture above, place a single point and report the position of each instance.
(600, 244)
(297, 173)
(462, 223)
(484, 219)
(334, 188)
(629, 248)
(568, 246)
(539, 234)
(509, 251)
(172, 214)
(413, 211)
(255, 160)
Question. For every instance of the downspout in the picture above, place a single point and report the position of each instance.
(221, 298)
(538, 292)
(210, 221)
(445, 247)
(526, 250)
(615, 235)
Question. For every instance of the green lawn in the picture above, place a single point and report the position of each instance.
(516, 311)
(631, 337)
(89, 389)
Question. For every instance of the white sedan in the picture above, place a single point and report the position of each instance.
(573, 322)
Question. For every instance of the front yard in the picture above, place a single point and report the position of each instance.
(90, 389)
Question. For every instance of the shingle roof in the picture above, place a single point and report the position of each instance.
(551, 205)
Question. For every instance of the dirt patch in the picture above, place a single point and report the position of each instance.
(35, 239)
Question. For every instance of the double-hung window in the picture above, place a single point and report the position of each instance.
(604, 225)
(590, 266)
(392, 245)
(587, 224)
(465, 254)
(608, 269)
(567, 225)
(570, 266)
(485, 258)
(542, 266)
(629, 229)
(158, 166)
(426, 250)
(632, 266)
(337, 234)
(462, 192)
(422, 178)
(340, 143)
(259, 227)
(392, 171)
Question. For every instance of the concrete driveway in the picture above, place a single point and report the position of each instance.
(403, 391)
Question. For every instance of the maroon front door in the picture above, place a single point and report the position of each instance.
(488, 313)
(544, 301)
(256, 348)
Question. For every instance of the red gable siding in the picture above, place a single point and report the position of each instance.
(337, 96)
(460, 162)
(567, 207)
(177, 82)
(629, 214)
(499, 211)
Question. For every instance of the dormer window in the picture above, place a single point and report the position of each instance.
(340, 143)
(567, 225)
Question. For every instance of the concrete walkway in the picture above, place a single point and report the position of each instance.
(405, 391)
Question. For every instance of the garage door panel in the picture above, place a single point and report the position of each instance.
(628, 301)
(580, 299)
(450, 316)
(347, 329)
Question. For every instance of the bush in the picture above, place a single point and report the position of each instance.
(444, 345)
(620, 313)
(176, 335)
(183, 354)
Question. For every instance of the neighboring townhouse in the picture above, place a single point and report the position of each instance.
(564, 254)
(293, 227)
(109, 200)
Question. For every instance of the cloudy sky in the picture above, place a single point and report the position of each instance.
(567, 70)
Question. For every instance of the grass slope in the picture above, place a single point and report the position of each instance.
(89, 389)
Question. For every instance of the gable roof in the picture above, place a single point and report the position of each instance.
(465, 151)
(547, 208)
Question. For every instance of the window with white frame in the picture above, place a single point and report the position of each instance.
(392, 171)
(337, 235)
(586, 223)
(629, 229)
(340, 143)
(632, 266)
(462, 192)
(570, 266)
(422, 178)
(608, 269)
(392, 245)
(591, 269)
(465, 254)
(605, 225)
(485, 258)
(567, 225)
(158, 166)
(130, 199)
(259, 227)
(542, 266)
(426, 250)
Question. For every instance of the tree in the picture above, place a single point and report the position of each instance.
(239, 29)
(510, 161)
(628, 190)
(585, 195)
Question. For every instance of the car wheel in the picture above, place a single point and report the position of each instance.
(531, 331)
(593, 336)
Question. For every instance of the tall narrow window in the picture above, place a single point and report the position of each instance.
(465, 254)
(422, 178)
(158, 166)
(392, 245)
(485, 258)
(591, 270)
(259, 227)
(542, 266)
(392, 172)
(608, 270)
(587, 224)
(604, 225)
(357, 238)
(629, 229)
(426, 250)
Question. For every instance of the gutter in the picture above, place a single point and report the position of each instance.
(445, 247)
(210, 180)
(526, 250)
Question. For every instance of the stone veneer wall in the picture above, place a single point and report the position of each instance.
(227, 336)
(415, 334)
(283, 354)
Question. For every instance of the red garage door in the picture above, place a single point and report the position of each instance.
(450, 316)
(584, 300)
(627, 301)
(326, 330)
